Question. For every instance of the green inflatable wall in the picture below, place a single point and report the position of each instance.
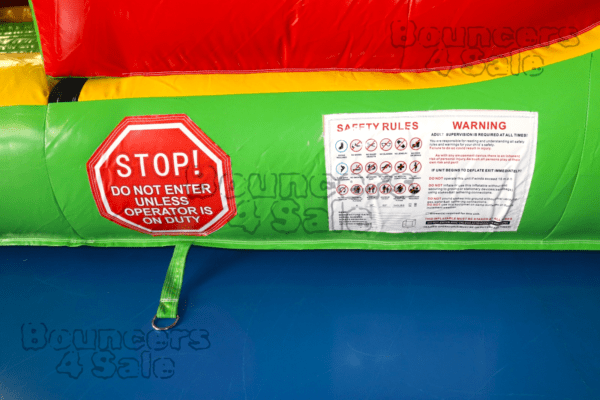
(278, 164)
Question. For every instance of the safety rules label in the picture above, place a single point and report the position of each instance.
(162, 175)
(451, 170)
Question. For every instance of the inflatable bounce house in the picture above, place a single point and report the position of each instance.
(440, 125)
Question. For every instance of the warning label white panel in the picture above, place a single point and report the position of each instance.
(450, 170)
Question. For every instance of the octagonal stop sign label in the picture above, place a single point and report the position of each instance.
(162, 175)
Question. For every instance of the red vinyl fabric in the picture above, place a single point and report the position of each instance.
(146, 37)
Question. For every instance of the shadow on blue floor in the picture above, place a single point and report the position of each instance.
(301, 325)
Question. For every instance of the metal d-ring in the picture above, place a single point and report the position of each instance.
(165, 328)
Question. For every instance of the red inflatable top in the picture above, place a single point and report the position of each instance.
(145, 37)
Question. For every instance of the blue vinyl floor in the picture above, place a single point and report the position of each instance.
(301, 325)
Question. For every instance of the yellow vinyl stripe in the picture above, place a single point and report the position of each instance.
(326, 81)
(23, 80)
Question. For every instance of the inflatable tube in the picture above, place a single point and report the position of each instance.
(29, 213)
(272, 133)
(115, 38)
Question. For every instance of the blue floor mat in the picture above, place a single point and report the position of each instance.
(301, 325)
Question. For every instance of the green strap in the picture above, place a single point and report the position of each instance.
(169, 297)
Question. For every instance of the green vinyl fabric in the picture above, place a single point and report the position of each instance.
(28, 208)
(29, 213)
(278, 162)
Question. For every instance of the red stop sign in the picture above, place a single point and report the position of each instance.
(162, 175)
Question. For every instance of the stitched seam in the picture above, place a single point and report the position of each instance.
(166, 243)
(587, 117)
(50, 179)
